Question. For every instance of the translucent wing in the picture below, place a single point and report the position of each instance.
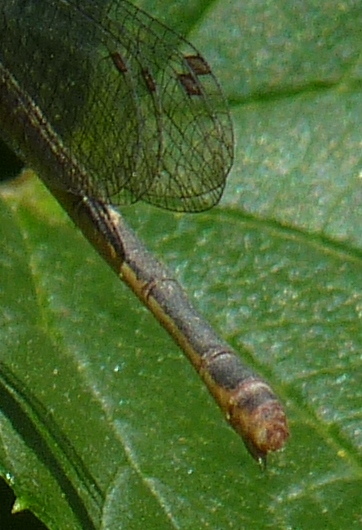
(195, 131)
(133, 102)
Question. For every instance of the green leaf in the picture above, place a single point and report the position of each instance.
(103, 422)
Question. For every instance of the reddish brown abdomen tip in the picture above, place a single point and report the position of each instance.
(258, 416)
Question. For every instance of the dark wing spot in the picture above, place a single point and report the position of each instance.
(150, 82)
(190, 84)
(198, 64)
(119, 62)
